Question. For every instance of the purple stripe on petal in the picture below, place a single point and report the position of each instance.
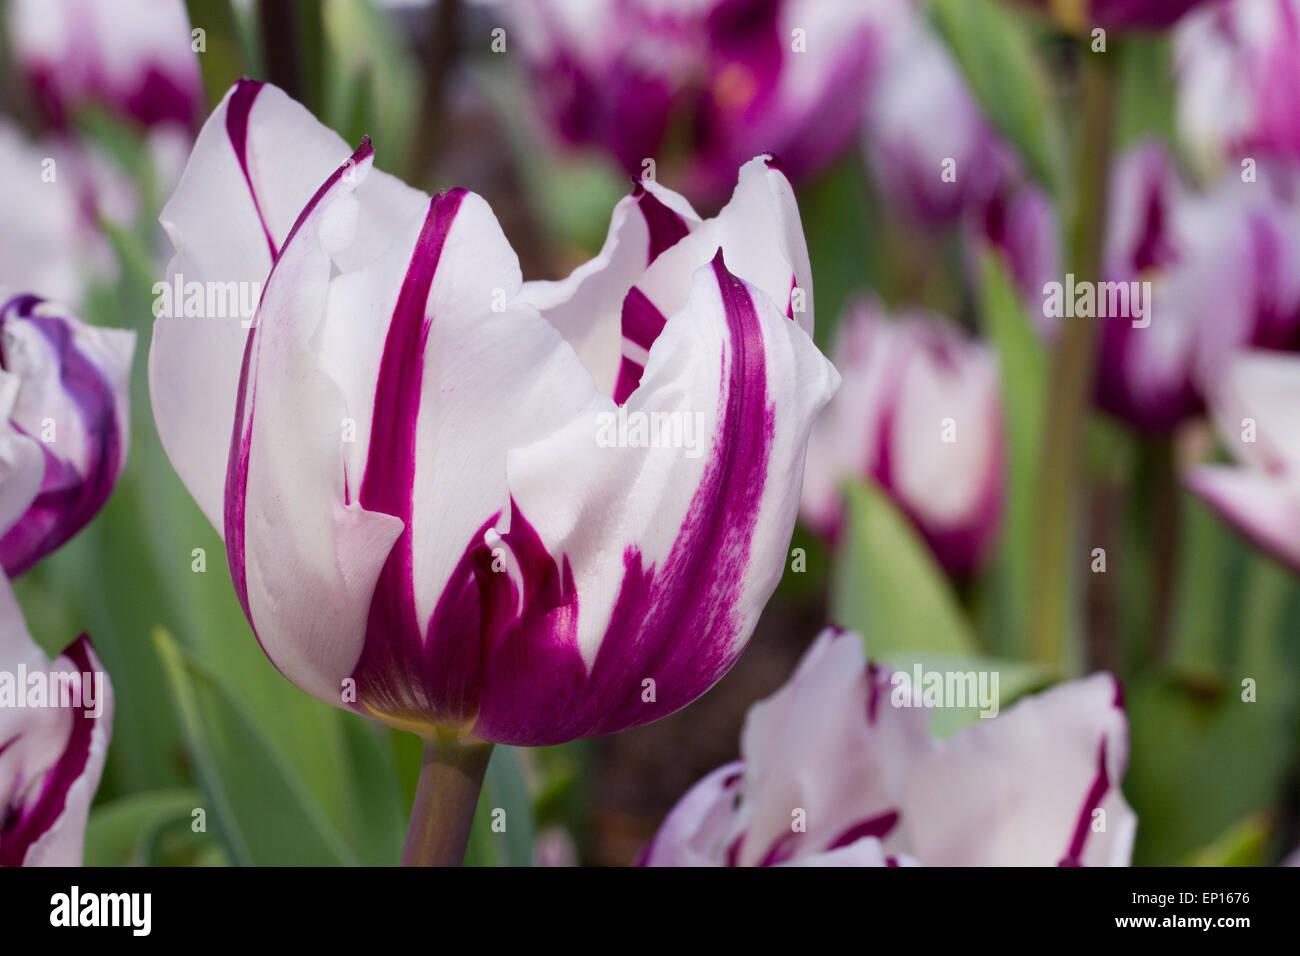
(675, 622)
(629, 377)
(642, 320)
(1096, 793)
(245, 399)
(238, 111)
(879, 826)
(67, 500)
(17, 834)
(666, 227)
(397, 673)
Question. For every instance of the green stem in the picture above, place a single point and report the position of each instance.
(1059, 500)
(451, 777)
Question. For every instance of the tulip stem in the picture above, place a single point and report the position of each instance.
(451, 777)
(1059, 501)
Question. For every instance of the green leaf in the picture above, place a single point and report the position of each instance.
(119, 833)
(996, 52)
(504, 790)
(887, 586)
(1245, 843)
(257, 805)
(373, 792)
(1023, 365)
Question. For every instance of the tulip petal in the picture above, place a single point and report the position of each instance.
(1037, 786)
(255, 165)
(831, 744)
(73, 393)
(51, 758)
(702, 824)
(303, 555)
(761, 236)
(1265, 508)
(643, 569)
(586, 306)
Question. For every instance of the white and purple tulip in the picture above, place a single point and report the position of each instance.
(134, 57)
(1224, 272)
(1256, 406)
(70, 391)
(930, 146)
(436, 506)
(835, 772)
(729, 78)
(51, 755)
(1238, 71)
(920, 413)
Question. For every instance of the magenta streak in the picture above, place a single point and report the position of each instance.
(642, 323)
(393, 669)
(18, 835)
(67, 501)
(676, 622)
(1096, 793)
(238, 110)
(666, 227)
(241, 435)
(873, 696)
(879, 826)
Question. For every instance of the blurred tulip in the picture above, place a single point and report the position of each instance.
(1224, 268)
(432, 511)
(55, 718)
(52, 192)
(133, 57)
(921, 414)
(841, 750)
(730, 78)
(1238, 71)
(1119, 14)
(67, 387)
(931, 148)
(1256, 406)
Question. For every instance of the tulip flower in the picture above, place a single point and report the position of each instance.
(465, 505)
(731, 78)
(837, 768)
(52, 192)
(1120, 14)
(55, 718)
(69, 384)
(1221, 269)
(920, 413)
(1238, 71)
(930, 146)
(133, 57)
(1256, 407)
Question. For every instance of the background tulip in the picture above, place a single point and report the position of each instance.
(929, 143)
(477, 562)
(1222, 267)
(1238, 69)
(1256, 406)
(731, 77)
(130, 56)
(1036, 786)
(51, 757)
(919, 413)
(68, 385)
